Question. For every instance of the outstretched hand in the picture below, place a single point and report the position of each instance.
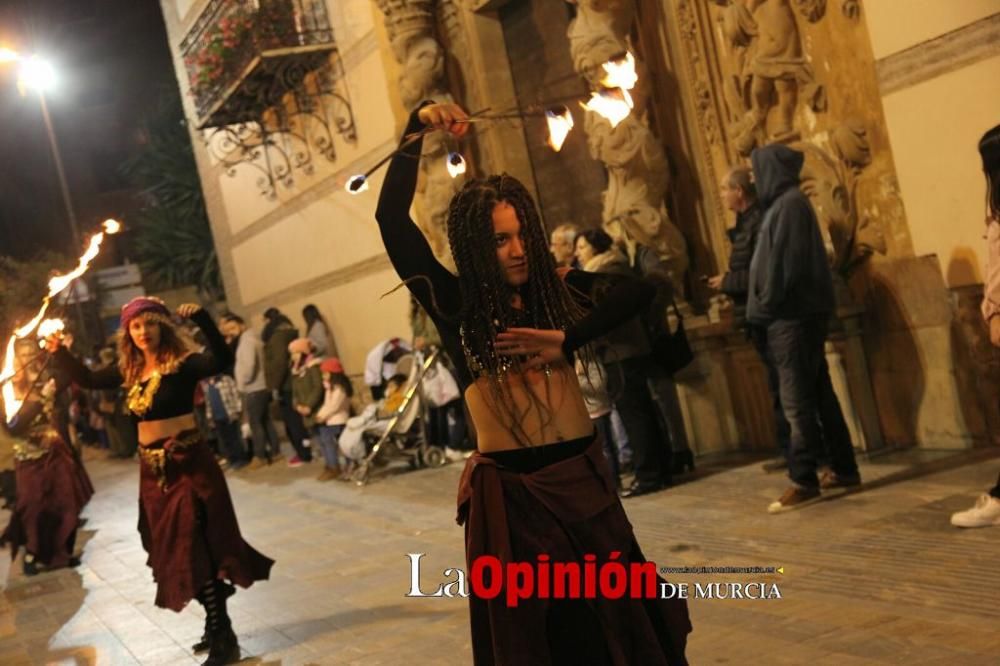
(447, 116)
(541, 346)
(188, 310)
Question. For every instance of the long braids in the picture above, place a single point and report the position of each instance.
(487, 308)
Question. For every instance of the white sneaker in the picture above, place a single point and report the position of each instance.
(985, 513)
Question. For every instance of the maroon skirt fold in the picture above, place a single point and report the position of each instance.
(50, 496)
(566, 511)
(187, 522)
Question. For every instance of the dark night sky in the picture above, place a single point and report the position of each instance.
(111, 58)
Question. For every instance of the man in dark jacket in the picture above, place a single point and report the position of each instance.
(791, 298)
(739, 194)
(278, 333)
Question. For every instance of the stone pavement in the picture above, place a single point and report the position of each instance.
(875, 577)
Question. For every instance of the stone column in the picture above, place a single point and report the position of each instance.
(411, 25)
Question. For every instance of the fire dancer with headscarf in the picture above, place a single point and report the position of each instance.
(52, 486)
(186, 517)
(539, 483)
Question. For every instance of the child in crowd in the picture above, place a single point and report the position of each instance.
(333, 414)
(223, 410)
(307, 390)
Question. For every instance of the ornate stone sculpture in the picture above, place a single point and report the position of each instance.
(411, 28)
(771, 70)
(634, 210)
(842, 195)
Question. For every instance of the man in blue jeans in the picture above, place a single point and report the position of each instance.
(791, 300)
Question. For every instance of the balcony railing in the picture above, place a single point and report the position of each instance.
(243, 56)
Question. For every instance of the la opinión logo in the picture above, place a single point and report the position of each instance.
(544, 579)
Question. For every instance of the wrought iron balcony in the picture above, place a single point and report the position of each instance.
(243, 56)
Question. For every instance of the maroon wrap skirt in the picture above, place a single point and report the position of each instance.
(187, 522)
(565, 510)
(51, 492)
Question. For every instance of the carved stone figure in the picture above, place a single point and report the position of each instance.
(411, 28)
(633, 210)
(772, 72)
(842, 195)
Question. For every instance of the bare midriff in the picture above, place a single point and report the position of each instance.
(562, 417)
(151, 431)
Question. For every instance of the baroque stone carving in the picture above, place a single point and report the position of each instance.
(770, 73)
(844, 196)
(411, 28)
(634, 210)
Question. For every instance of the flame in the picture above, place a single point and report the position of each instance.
(620, 72)
(357, 184)
(455, 164)
(51, 327)
(613, 104)
(11, 404)
(111, 226)
(57, 284)
(560, 122)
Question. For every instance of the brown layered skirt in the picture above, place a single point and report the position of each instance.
(52, 490)
(187, 522)
(565, 510)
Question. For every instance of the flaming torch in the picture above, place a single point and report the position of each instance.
(560, 122)
(57, 284)
(614, 103)
(455, 165)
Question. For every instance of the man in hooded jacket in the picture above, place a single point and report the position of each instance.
(790, 300)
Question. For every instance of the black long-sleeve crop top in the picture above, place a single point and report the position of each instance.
(438, 290)
(175, 396)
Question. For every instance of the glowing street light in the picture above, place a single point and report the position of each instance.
(36, 73)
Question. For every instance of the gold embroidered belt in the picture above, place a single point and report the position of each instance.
(155, 455)
(36, 445)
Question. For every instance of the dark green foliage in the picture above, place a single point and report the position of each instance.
(172, 236)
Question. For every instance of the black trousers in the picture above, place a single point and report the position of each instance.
(628, 387)
(795, 347)
(294, 426)
(995, 490)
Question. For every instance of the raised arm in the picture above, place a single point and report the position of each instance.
(408, 249)
(218, 357)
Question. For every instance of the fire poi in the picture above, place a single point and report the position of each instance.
(612, 102)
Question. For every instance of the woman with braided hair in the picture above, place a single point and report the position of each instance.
(539, 485)
(186, 517)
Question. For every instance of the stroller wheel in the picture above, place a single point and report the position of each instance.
(434, 456)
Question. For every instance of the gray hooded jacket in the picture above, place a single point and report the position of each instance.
(789, 274)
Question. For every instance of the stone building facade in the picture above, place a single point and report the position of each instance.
(887, 102)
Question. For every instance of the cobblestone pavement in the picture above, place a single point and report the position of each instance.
(874, 577)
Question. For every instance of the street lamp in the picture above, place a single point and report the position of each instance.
(37, 74)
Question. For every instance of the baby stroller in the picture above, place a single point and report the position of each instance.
(404, 436)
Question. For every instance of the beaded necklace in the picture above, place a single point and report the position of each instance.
(141, 399)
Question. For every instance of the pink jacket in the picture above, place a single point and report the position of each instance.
(991, 285)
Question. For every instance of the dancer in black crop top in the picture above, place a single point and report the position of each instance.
(509, 314)
(451, 304)
(174, 394)
(186, 517)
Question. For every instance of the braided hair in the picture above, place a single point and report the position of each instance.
(486, 307)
